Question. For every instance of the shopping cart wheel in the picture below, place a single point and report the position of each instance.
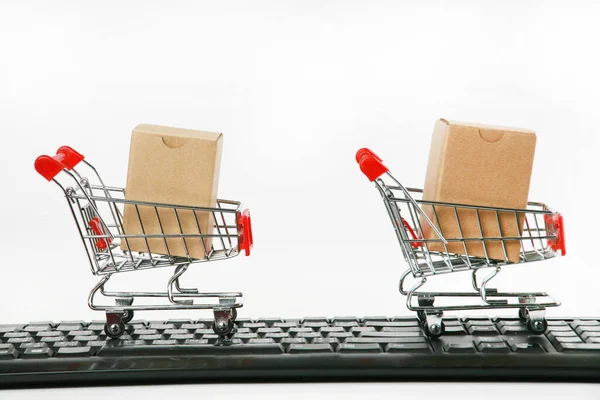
(127, 316)
(233, 314)
(537, 326)
(222, 327)
(434, 330)
(523, 315)
(115, 329)
(421, 316)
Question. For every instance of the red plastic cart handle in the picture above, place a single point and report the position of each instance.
(65, 158)
(96, 227)
(370, 164)
(413, 234)
(554, 225)
(246, 241)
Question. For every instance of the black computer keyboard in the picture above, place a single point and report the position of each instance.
(269, 349)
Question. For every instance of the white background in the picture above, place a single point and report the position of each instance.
(296, 88)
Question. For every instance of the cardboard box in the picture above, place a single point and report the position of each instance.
(172, 166)
(478, 165)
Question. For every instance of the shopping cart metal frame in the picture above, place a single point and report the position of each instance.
(542, 238)
(98, 213)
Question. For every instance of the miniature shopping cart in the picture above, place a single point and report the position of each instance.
(98, 211)
(540, 238)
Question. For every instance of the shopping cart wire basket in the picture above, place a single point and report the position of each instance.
(540, 236)
(98, 211)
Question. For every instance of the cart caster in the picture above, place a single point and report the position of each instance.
(537, 326)
(433, 324)
(421, 316)
(535, 320)
(127, 316)
(434, 330)
(223, 327)
(115, 329)
(523, 315)
(233, 314)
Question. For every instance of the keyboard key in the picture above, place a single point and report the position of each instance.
(560, 328)
(470, 322)
(88, 338)
(290, 340)
(318, 320)
(588, 335)
(242, 336)
(390, 334)
(527, 348)
(285, 326)
(84, 351)
(357, 330)
(37, 326)
(454, 329)
(97, 326)
(407, 348)
(10, 335)
(296, 348)
(513, 329)
(374, 319)
(336, 320)
(587, 328)
(309, 335)
(401, 329)
(193, 327)
(194, 342)
(264, 331)
(569, 339)
(296, 331)
(276, 336)
(86, 332)
(49, 334)
(482, 330)
(459, 348)
(254, 325)
(392, 324)
(32, 344)
(176, 331)
(331, 341)
(37, 352)
(329, 329)
(20, 340)
(8, 352)
(493, 347)
(10, 328)
(316, 325)
(586, 322)
(161, 327)
(340, 335)
(554, 322)
(178, 322)
(270, 321)
(164, 342)
(51, 340)
(388, 339)
(574, 347)
(359, 348)
(261, 341)
(186, 350)
(346, 324)
(150, 337)
(181, 337)
(66, 344)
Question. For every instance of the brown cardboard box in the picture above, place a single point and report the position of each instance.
(478, 165)
(172, 166)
